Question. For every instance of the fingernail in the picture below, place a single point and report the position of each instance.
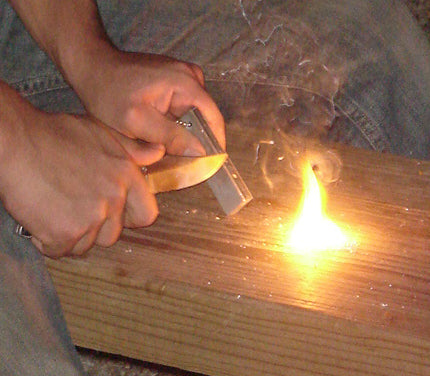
(158, 146)
(193, 152)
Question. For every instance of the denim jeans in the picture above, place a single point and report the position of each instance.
(353, 71)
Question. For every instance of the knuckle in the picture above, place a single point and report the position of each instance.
(79, 251)
(108, 240)
(112, 191)
(72, 232)
(56, 250)
(110, 232)
(82, 246)
(197, 70)
(190, 70)
(150, 217)
(144, 220)
(175, 141)
(132, 116)
(197, 67)
(126, 167)
(115, 200)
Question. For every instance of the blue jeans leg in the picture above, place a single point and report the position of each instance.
(33, 336)
(34, 339)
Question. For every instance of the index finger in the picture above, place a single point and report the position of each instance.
(152, 126)
(212, 116)
(141, 208)
(191, 94)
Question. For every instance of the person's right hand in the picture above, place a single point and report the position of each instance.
(142, 95)
(69, 181)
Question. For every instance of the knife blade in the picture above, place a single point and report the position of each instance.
(178, 172)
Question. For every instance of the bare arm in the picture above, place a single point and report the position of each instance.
(67, 30)
(140, 95)
(50, 159)
(67, 179)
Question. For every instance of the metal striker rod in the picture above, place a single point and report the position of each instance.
(227, 185)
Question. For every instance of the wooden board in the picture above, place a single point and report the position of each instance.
(225, 296)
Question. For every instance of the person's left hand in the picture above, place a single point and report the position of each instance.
(142, 95)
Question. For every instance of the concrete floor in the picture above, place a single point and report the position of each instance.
(421, 10)
(101, 364)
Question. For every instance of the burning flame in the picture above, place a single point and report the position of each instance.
(313, 230)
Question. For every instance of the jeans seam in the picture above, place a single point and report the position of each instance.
(39, 84)
(368, 127)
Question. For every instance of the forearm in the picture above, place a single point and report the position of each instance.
(69, 31)
(137, 94)
(7, 117)
(13, 111)
(16, 116)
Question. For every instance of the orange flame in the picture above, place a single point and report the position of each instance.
(312, 229)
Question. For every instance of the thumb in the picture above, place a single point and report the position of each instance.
(153, 126)
(143, 153)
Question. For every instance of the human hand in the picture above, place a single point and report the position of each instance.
(69, 181)
(141, 96)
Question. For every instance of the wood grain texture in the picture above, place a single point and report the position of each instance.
(225, 296)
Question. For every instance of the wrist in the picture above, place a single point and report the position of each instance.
(12, 110)
(16, 116)
(70, 32)
(85, 65)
